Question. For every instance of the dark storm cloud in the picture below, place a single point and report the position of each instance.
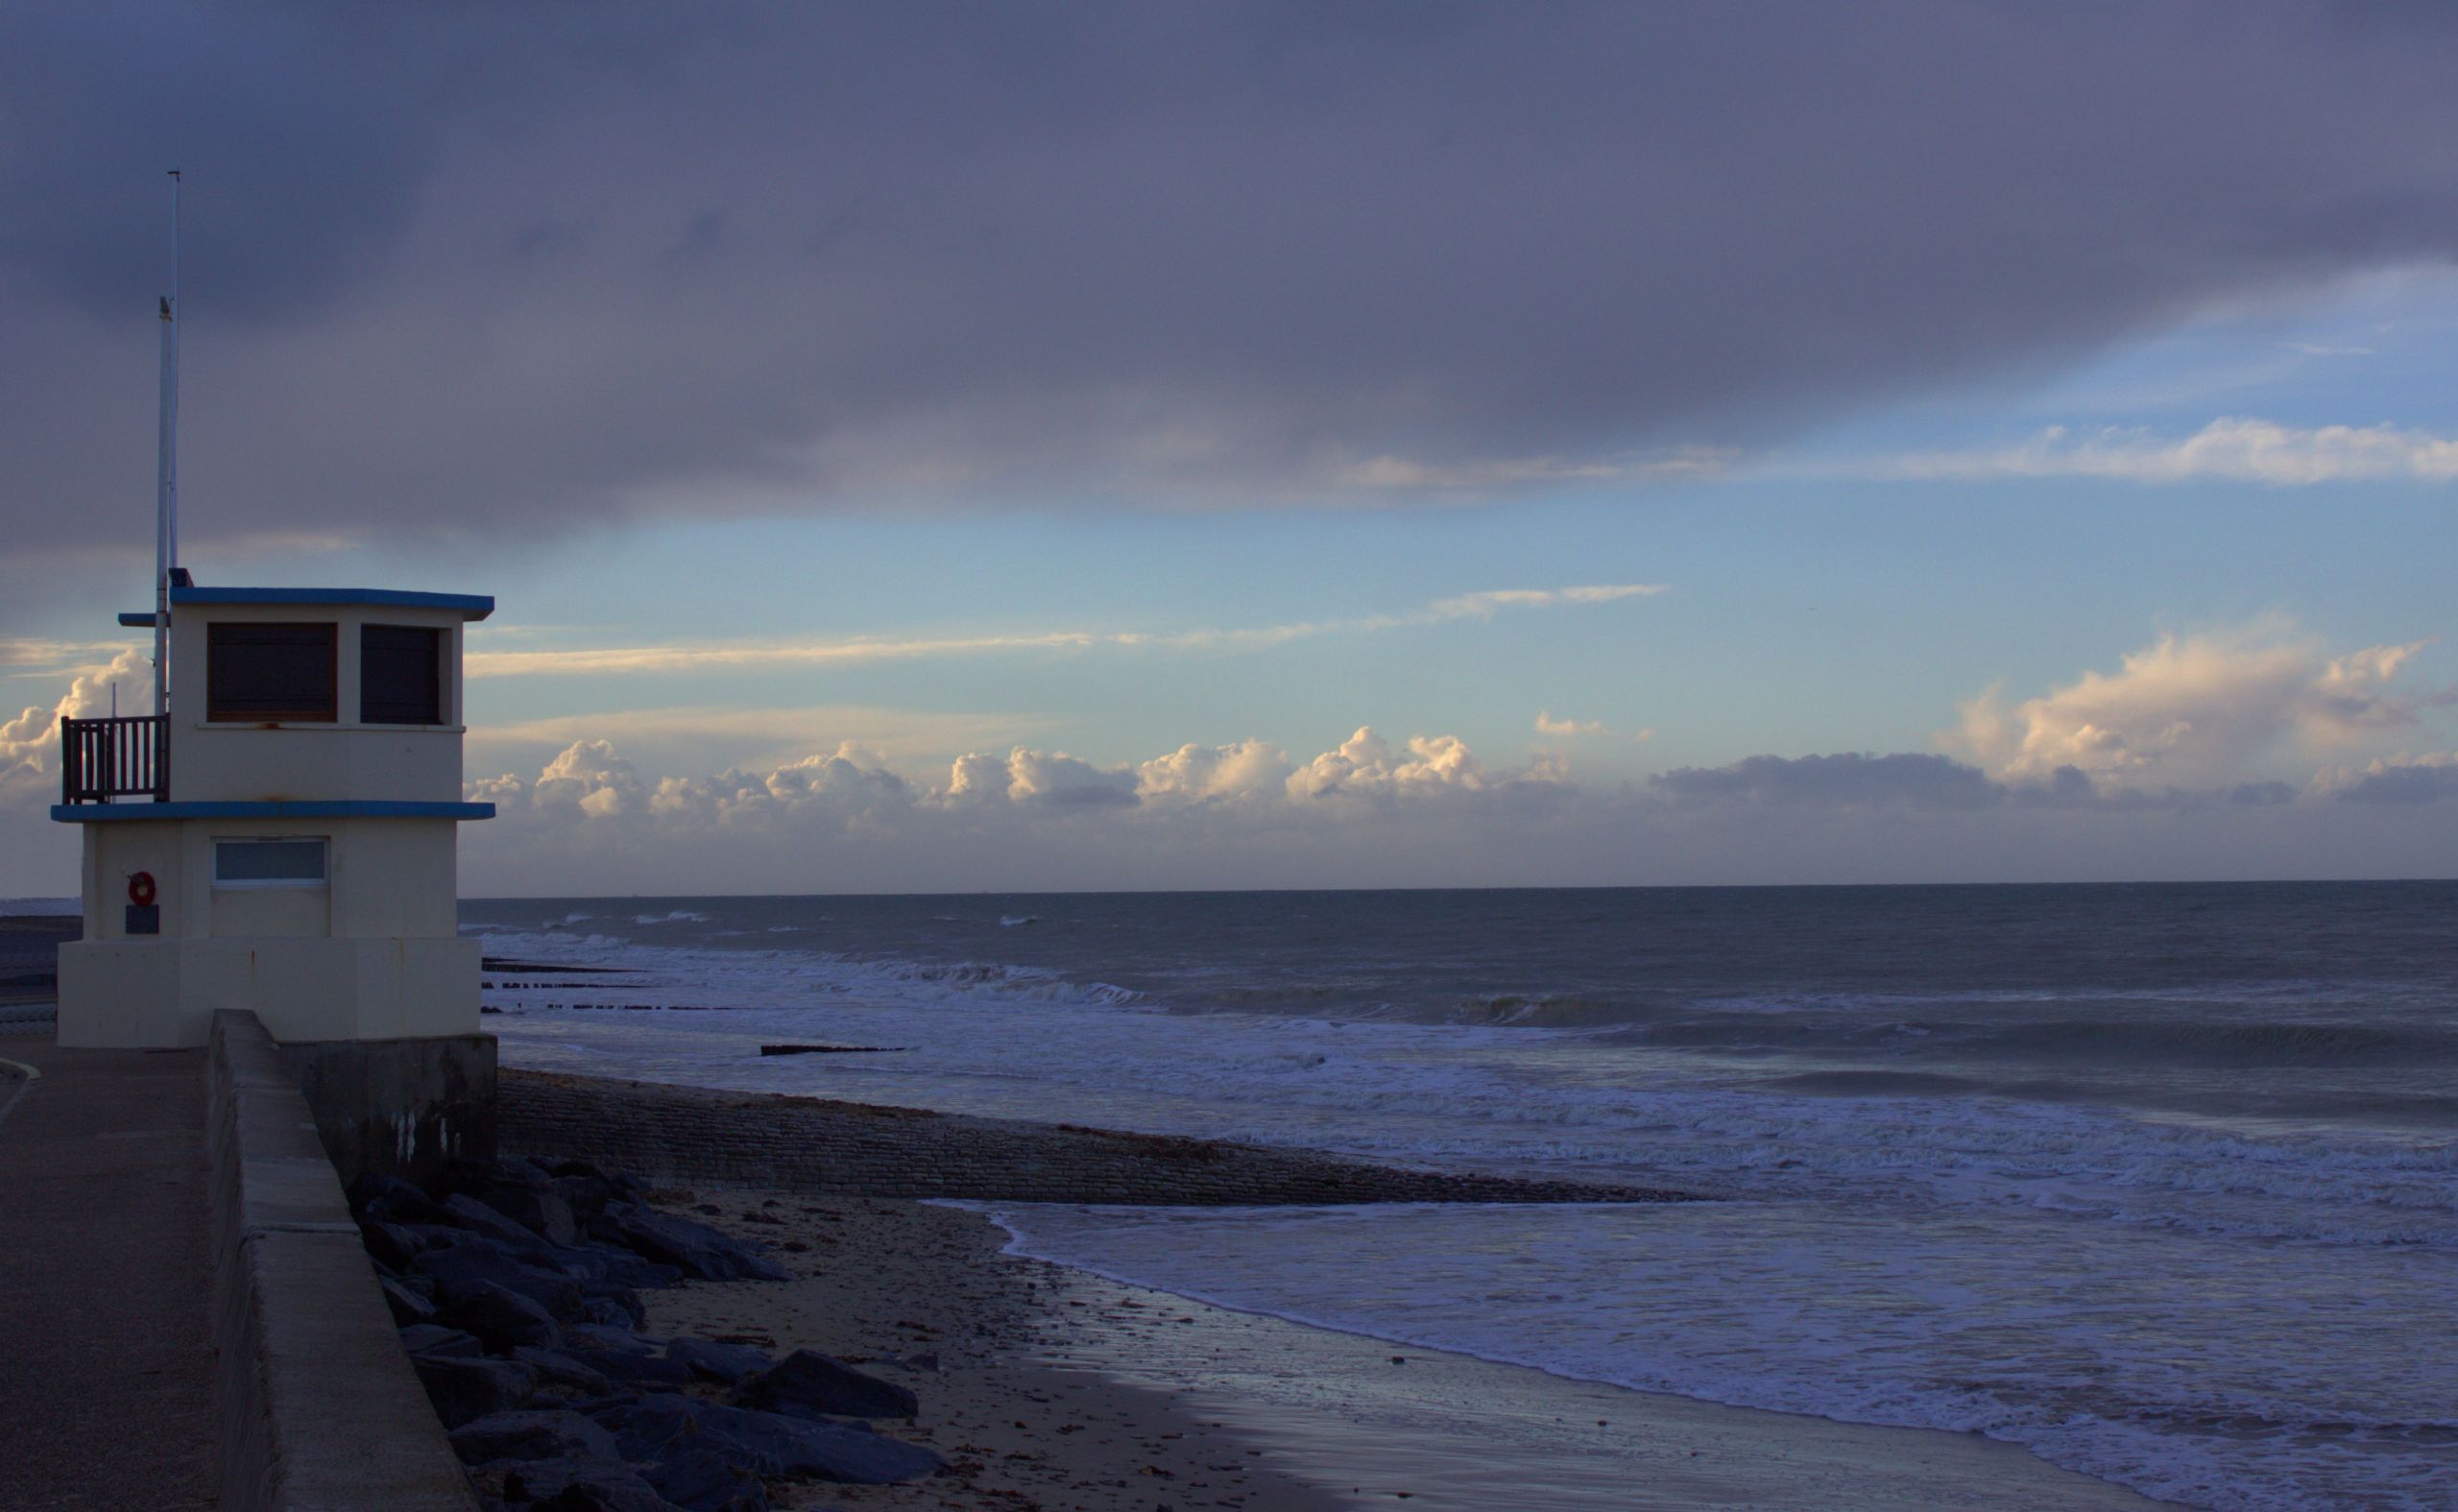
(1846, 780)
(2402, 783)
(464, 266)
(1916, 781)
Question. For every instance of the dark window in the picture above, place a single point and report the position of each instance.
(256, 673)
(400, 675)
(268, 863)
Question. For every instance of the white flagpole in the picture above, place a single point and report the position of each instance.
(166, 483)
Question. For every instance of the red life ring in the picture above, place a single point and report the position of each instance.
(141, 888)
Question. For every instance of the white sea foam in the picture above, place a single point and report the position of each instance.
(2044, 1272)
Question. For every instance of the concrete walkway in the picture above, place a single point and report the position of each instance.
(106, 1279)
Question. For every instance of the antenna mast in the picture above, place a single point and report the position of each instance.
(166, 481)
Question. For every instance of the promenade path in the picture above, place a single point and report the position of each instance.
(106, 1280)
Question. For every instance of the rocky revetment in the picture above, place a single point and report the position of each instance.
(515, 1285)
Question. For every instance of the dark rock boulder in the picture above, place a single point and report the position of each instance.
(532, 1435)
(649, 1426)
(657, 1426)
(638, 1370)
(608, 1302)
(581, 1486)
(521, 1171)
(544, 1213)
(588, 1195)
(701, 1480)
(466, 1390)
(479, 1218)
(407, 1305)
(605, 1263)
(427, 1338)
(695, 1249)
(465, 1174)
(502, 1317)
(391, 1245)
(389, 1199)
(443, 1235)
(623, 1311)
(458, 1269)
(597, 1335)
(806, 1415)
(624, 1185)
(565, 1371)
(808, 1378)
(723, 1363)
(768, 1444)
(589, 1190)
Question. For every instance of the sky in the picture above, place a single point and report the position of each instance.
(956, 447)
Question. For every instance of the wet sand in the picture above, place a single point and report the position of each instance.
(1053, 1388)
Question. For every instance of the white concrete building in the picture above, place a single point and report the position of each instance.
(283, 839)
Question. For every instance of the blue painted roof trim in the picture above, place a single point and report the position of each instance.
(472, 606)
(346, 808)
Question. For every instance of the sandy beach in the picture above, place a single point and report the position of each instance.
(921, 1295)
(1048, 1387)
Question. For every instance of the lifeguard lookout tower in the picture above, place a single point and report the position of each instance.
(280, 838)
(277, 839)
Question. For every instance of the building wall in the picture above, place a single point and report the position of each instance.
(387, 879)
(306, 760)
(371, 955)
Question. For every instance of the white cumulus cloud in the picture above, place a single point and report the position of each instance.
(1247, 771)
(29, 743)
(2188, 711)
(592, 779)
(1365, 766)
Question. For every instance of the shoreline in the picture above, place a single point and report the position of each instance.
(1449, 1431)
(1050, 1387)
(1054, 1387)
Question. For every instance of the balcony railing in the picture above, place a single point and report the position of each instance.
(100, 759)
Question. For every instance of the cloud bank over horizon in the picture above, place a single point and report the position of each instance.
(2120, 764)
(2102, 776)
(476, 271)
(1425, 813)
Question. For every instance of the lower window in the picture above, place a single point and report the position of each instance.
(269, 863)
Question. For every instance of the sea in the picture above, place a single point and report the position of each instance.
(2159, 1181)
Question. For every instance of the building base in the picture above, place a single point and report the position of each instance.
(151, 994)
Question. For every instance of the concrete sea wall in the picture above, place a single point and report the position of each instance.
(318, 1407)
(680, 1134)
(406, 1108)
